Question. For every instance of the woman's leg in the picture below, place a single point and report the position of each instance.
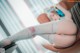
(62, 41)
(46, 28)
(30, 32)
(59, 41)
(66, 27)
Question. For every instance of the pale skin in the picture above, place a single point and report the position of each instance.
(66, 30)
(72, 49)
(51, 47)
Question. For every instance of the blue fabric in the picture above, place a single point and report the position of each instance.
(60, 13)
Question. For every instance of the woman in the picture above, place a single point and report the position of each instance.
(43, 19)
(62, 30)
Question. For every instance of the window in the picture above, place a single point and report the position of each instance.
(18, 14)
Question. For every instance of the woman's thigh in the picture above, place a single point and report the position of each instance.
(66, 27)
(59, 41)
(64, 40)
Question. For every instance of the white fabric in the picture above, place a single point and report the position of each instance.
(56, 2)
(47, 28)
(2, 50)
(23, 34)
(48, 37)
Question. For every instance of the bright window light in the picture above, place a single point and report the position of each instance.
(24, 13)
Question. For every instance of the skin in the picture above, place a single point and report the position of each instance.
(60, 37)
(69, 28)
(65, 29)
(72, 49)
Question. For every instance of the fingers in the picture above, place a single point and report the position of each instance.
(51, 47)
